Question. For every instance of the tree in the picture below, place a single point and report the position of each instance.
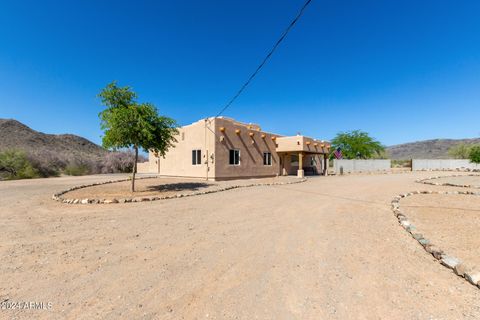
(475, 154)
(460, 151)
(128, 124)
(357, 144)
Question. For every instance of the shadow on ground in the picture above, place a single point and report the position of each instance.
(192, 186)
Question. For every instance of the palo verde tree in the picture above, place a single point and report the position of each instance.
(129, 124)
(357, 144)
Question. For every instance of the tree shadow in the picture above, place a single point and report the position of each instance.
(182, 186)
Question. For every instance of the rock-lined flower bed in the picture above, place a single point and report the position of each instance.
(460, 268)
(448, 184)
(59, 196)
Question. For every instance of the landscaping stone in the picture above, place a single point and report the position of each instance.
(472, 277)
(460, 269)
(449, 262)
(424, 242)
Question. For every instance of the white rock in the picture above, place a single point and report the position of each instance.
(450, 262)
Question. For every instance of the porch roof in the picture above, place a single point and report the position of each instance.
(302, 144)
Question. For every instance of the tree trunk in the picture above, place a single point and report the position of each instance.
(134, 168)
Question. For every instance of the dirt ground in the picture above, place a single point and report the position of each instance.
(449, 221)
(329, 248)
(465, 180)
(160, 187)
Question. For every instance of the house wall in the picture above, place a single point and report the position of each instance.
(215, 138)
(178, 160)
(251, 151)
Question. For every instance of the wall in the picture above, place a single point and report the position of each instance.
(251, 149)
(146, 167)
(178, 160)
(362, 165)
(442, 164)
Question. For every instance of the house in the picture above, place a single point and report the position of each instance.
(221, 148)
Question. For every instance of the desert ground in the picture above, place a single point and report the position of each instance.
(328, 248)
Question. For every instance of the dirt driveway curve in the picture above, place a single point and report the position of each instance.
(329, 248)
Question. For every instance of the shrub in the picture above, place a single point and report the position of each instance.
(475, 154)
(460, 151)
(14, 164)
(120, 162)
(48, 164)
(78, 167)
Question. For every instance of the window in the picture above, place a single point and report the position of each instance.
(196, 157)
(234, 158)
(267, 159)
(313, 161)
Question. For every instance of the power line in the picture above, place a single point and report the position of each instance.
(284, 34)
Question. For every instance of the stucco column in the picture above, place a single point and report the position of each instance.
(284, 166)
(300, 172)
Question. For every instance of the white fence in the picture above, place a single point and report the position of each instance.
(361, 165)
(443, 164)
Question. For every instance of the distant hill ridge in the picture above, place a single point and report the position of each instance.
(16, 135)
(427, 149)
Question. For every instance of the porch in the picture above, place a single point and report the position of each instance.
(300, 155)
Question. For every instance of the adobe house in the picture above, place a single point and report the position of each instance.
(221, 148)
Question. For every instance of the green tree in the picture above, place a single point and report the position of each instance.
(357, 144)
(14, 164)
(128, 124)
(475, 154)
(460, 151)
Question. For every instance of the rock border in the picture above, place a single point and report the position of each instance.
(456, 265)
(447, 184)
(58, 196)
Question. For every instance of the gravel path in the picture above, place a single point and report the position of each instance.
(329, 248)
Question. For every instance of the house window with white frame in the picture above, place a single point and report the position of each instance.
(267, 159)
(196, 157)
(234, 157)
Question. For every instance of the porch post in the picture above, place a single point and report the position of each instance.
(300, 172)
(284, 170)
(325, 165)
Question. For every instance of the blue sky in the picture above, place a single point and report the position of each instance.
(401, 70)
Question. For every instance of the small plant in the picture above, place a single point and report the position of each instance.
(475, 154)
(14, 164)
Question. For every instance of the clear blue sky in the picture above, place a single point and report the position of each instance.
(401, 70)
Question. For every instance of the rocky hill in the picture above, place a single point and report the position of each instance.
(427, 149)
(16, 135)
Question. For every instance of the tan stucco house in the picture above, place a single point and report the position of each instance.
(221, 148)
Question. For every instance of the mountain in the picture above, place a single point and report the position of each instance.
(16, 135)
(427, 149)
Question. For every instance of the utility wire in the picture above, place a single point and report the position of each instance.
(284, 34)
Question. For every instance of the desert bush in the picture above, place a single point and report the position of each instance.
(14, 164)
(120, 162)
(460, 151)
(401, 163)
(475, 154)
(48, 164)
(79, 167)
